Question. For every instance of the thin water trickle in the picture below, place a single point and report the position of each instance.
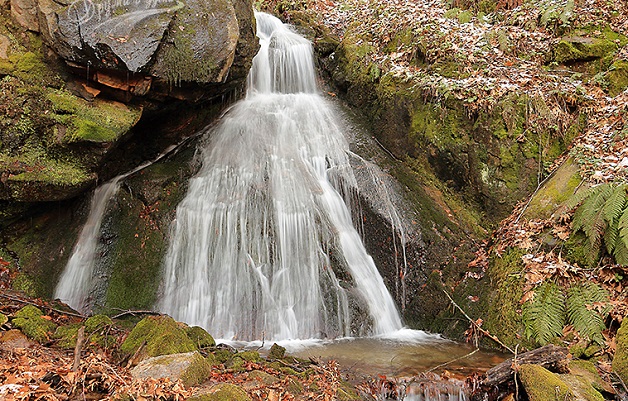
(77, 280)
(264, 230)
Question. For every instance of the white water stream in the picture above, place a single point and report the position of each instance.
(77, 280)
(265, 226)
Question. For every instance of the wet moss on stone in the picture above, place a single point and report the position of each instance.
(620, 361)
(200, 337)
(542, 385)
(158, 335)
(30, 320)
(617, 77)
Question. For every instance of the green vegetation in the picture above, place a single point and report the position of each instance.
(542, 385)
(620, 362)
(551, 308)
(159, 335)
(30, 320)
(97, 121)
(602, 215)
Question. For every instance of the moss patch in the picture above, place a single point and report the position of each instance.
(617, 77)
(30, 320)
(555, 191)
(159, 335)
(620, 362)
(98, 121)
(542, 385)
(200, 337)
(223, 392)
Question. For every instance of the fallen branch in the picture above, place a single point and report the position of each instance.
(134, 312)
(551, 357)
(16, 299)
(477, 326)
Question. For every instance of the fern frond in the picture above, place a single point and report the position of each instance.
(615, 203)
(620, 252)
(610, 237)
(594, 229)
(544, 315)
(578, 197)
(581, 314)
(591, 207)
(622, 225)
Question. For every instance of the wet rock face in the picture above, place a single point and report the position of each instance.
(171, 41)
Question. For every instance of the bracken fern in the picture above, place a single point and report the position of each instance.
(602, 214)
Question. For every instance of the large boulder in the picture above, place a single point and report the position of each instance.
(191, 368)
(125, 45)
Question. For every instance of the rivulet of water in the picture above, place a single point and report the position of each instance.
(264, 234)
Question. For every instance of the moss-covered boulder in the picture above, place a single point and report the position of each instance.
(542, 385)
(157, 335)
(617, 77)
(579, 49)
(200, 337)
(191, 368)
(32, 322)
(222, 392)
(276, 352)
(620, 361)
(585, 382)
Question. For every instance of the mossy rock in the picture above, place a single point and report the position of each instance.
(276, 352)
(555, 192)
(200, 337)
(97, 322)
(250, 356)
(97, 121)
(30, 320)
(190, 367)
(582, 49)
(222, 392)
(159, 335)
(3, 319)
(617, 77)
(542, 385)
(620, 361)
(588, 375)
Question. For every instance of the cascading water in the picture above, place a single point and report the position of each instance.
(265, 228)
(77, 282)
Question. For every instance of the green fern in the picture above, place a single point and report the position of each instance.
(544, 316)
(602, 215)
(580, 312)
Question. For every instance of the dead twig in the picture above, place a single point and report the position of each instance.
(477, 326)
(452, 361)
(80, 337)
(134, 312)
(16, 299)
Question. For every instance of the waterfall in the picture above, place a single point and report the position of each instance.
(265, 230)
(77, 280)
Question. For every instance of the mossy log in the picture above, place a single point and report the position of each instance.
(550, 357)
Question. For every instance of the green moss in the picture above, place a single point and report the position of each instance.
(159, 335)
(620, 361)
(66, 335)
(29, 319)
(464, 17)
(583, 379)
(200, 337)
(250, 356)
(583, 49)
(346, 392)
(3, 319)
(97, 322)
(223, 392)
(25, 284)
(276, 352)
(223, 355)
(198, 372)
(617, 77)
(98, 121)
(557, 190)
(542, 385)
(575, 250)
(503, 316)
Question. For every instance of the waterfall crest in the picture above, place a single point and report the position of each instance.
(265, 229)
